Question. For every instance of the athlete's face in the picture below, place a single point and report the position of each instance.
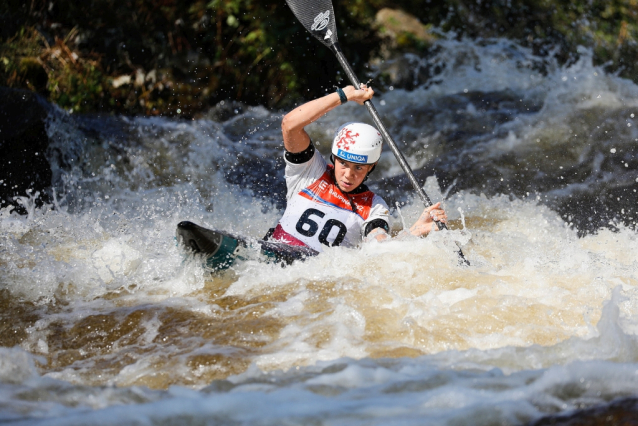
(350, 175)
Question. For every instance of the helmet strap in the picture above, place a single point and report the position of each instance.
(334, 177)
(366, 178)
(353, 206)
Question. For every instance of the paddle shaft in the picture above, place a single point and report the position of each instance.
(375, 117)
(336, 49)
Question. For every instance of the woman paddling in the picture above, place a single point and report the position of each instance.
(330, 205)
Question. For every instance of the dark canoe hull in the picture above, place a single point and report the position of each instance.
(222, 249)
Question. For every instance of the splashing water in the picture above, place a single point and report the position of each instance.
(105, 320)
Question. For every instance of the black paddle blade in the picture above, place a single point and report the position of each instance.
(318, 17)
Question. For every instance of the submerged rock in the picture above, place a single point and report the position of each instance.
(405, 40)
(619, 412)
(403, 28)
(23, 144)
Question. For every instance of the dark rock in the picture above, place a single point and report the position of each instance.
(23, 145)
(394, 22)
(623, 412)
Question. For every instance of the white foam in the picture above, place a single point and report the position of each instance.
(540, 310)
(16, 365)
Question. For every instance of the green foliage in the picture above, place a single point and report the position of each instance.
(198, 52)
(609, 27)
(73, 82)
(20, 64)
(181, 57)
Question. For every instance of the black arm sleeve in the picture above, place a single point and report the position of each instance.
(376, 223)
(301, 157)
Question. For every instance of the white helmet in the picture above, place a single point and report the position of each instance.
(358, 143)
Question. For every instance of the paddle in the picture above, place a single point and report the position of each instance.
(317, 16)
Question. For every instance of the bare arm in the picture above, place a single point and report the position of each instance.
(425, 223)
(423, 226)
(292, 126)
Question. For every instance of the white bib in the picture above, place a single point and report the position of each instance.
(318, 223)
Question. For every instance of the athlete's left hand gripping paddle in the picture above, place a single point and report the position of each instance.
(317, 16)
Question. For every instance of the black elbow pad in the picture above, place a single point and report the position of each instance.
(376, 223)
(301, 157)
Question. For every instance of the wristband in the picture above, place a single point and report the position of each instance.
(342, 95)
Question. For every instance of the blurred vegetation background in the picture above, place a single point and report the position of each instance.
(168, 57)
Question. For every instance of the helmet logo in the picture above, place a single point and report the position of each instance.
(346, 139)
(355, 158)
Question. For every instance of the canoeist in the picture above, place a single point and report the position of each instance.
(329, 204)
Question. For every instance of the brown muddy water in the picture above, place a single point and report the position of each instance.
(106, 321)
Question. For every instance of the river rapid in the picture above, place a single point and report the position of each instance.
(107, 322)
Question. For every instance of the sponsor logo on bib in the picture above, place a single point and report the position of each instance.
(355, 158)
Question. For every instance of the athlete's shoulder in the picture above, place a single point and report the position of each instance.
(379, 200)
(300, 157)
(367, 196)
(299, 176)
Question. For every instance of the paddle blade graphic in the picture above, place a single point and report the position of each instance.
(318, 17)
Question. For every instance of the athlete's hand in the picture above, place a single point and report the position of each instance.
(425, 223)
(359, 96)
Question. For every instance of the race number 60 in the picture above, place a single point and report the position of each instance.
(308, 227)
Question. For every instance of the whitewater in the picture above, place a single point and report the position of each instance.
(107, 321)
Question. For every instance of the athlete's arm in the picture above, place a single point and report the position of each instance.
(425, 223)
(292, 126)
(378, 234)
(423, 226)
(377, 229)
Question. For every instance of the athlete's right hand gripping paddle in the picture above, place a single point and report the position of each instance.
(317, 16)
